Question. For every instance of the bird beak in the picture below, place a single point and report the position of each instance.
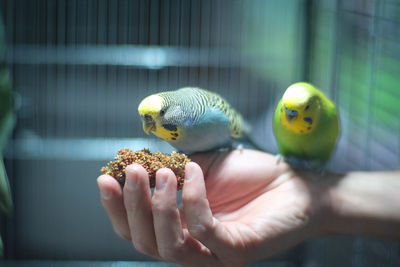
(290, 114)
(149, 126)
(148, 123)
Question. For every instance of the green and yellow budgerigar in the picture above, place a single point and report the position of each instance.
(192, 119)
(306, 124)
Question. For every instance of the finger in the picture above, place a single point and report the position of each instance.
(173, 245)
(200, 221)
(167, 222)
(207, 159)
(111, 198)
(137, 199)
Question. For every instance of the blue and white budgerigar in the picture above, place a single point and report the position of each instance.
(192, 119)
(306, 125)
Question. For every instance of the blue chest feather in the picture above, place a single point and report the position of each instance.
(210, 130)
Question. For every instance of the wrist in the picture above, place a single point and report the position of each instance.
(361, 203)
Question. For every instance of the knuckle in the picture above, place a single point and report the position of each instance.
(173, 253)
(144, 249)
(194, 201)
(159, 206)
(123, 235)
(190, 199)
(200, 231)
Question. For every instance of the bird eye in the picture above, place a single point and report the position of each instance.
(162, 112)
(148, 118)
(307, 107)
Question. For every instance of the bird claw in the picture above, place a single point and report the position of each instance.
(240, 147)
(279, 158)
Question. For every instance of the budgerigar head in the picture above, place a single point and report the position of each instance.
(162, 116)
(300, 108)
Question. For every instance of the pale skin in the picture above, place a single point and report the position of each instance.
(241, 206)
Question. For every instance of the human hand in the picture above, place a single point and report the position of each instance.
(245, 207)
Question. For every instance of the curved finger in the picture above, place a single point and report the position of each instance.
(167, 222)
(111, 198)
(137, 199)
(200, 221)
(174, 244)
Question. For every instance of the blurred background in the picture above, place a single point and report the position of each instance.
(79, 69)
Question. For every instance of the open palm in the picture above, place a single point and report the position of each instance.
(239, 206)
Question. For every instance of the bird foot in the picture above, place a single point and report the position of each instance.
(279, 158)
(240, 147)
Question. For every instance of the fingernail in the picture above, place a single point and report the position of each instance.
(105, 194)
(188, 177)
(130, 183)
(161, 182)
(188, 174)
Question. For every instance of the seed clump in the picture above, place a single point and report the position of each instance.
(152, 162)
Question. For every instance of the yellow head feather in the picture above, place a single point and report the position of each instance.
(151, 105)
(300, 108)
(150, 109)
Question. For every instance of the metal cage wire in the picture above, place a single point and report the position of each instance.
(80, 69)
